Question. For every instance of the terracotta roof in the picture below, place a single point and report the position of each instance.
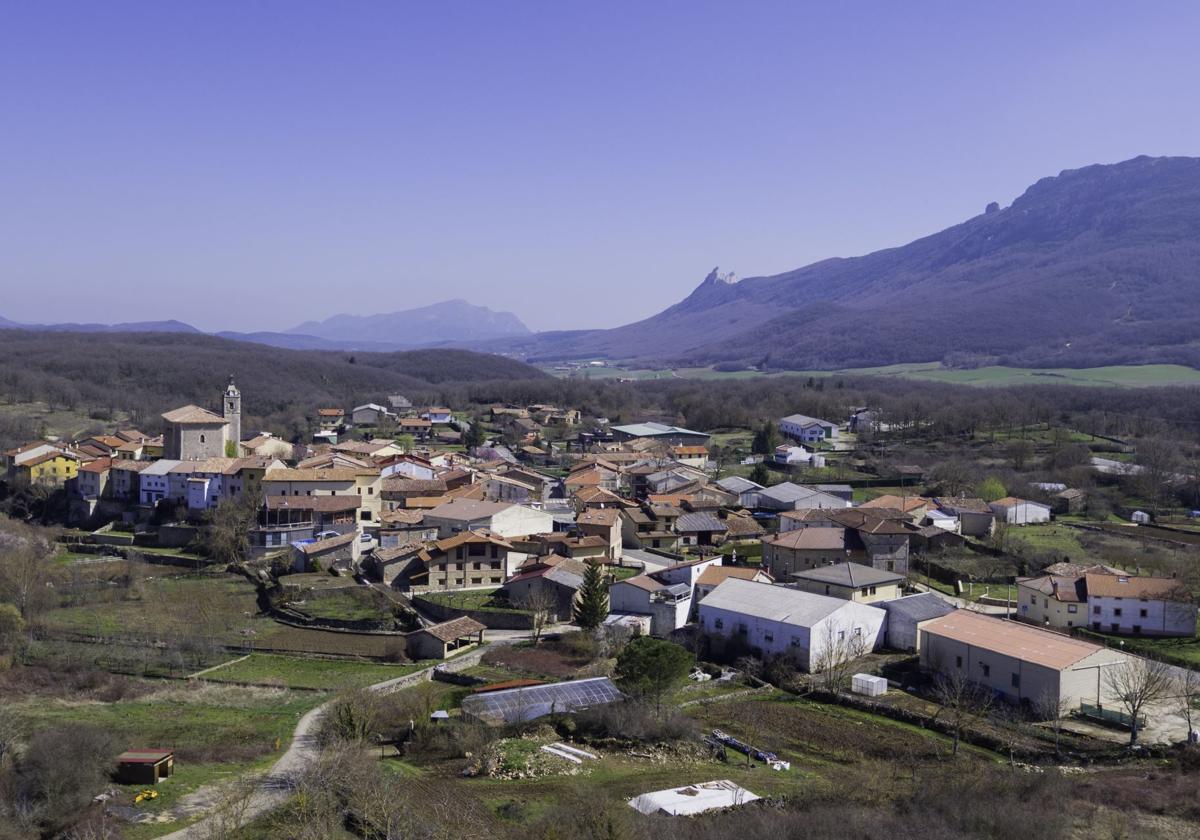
(193, 415)
(1012, 638)
(456, 628)
(810, 539)
(906, 504)
(402, 517)
(967, 504)
(642, 582)
(319, 504)
(327, 545)
(97, 466)
(599, 516)
(417, 486)
(334, 474)
(1128, 586)
(331, 412)
(1013, 501)
(716, 575)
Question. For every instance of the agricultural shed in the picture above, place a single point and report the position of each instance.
(144, 767)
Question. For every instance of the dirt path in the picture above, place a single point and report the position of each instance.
(275, 788)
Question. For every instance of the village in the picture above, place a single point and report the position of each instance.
(513, 592)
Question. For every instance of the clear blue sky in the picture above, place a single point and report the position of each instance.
(250, 165)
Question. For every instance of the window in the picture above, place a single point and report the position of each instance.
(1033, 600)
(796, 641)
(718, 623)
(742, 628)
(768, 637)
(1117, 612)
(872, 590)
(1142, 614)
(1072, 608)
(841, 635)
(202, 438)
(1016, 680)
(477, 549)
(958, 662)
(1137, 628)
(857, 631)
(1096, 610)
(1114, 627)
(987, 669)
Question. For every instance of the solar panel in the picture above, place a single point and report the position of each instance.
(515, 705)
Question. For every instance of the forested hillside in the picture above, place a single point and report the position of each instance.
(146, 373)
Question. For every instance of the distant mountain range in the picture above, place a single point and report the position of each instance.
(452, 322)
(1094, 266)
(1099, 265)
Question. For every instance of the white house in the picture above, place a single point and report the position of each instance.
(777, 621)
(1020, 511)
(156, 485)
(1139, 606)
(796, 455)
(807, 429)
(667, 604)
(500, 518)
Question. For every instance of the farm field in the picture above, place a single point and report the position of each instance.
(270, 669)
(1129, 376)
(217, 733)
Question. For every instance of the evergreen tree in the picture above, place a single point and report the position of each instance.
(592, 606)
(761, 475)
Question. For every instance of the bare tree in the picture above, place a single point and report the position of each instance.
(1053, 709)
(1187, 687)
(542, 605)
(840, 648)
(1137, 683)
(962, 701)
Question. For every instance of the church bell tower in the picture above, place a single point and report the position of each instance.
(231, 410)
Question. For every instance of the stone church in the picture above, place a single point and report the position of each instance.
(193, 433)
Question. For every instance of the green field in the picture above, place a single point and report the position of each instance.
(216, 732)
(298, 672)
(995, 375)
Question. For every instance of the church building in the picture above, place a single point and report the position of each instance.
(193, 433)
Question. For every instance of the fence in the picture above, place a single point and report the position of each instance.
(1111, 717)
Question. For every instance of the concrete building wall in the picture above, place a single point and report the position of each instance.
(1037, 608)
(1136, 617)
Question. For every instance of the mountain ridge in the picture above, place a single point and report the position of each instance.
(1096, 265)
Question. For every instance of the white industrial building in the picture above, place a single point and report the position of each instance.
(1019, 662)
(778, 621)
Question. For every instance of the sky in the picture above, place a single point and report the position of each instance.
(252, 165)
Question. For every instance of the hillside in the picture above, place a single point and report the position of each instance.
(147, 373)
(1095, 266)
(439, 323)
